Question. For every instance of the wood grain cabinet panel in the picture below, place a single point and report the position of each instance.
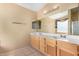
(51, 51)
(51, 47)
(42, 45)
(65, 53)
(32, 41)
(51, 42)
(35, 42)
(66, 49)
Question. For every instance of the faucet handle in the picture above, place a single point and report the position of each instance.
(62, 35)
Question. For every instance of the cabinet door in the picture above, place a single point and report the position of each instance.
(42, 45)
(66, 49)
(51, 50)
(32, 41)
(65, 53)
(51, 47)
(35, 42)
(37, 39)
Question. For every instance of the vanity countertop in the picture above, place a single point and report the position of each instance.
(69, 38)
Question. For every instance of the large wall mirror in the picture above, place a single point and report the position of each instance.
(67, 22)
(64, 22)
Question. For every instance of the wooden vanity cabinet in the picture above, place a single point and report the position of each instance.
(51, 47)
(43, 45)
(39, 43)
(66, 49)
(35, 41)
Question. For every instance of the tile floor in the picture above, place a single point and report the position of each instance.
(26, 51)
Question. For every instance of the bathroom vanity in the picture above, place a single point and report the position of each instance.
(55, 45)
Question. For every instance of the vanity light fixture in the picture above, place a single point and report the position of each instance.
(45, 12)
(59, 15)
(56, 7)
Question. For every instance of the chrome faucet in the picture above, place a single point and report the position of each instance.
(63, 36)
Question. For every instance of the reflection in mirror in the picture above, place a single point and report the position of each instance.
(75, 28)
(62, 27)
(61, 24)
(74, 21)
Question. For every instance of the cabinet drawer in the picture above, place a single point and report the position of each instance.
(67, 46)
(65, 53)
(51, 42)
(51, 51)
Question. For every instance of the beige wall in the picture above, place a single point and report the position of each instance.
(14, 35)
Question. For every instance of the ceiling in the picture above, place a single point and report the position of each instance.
(32, 6)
